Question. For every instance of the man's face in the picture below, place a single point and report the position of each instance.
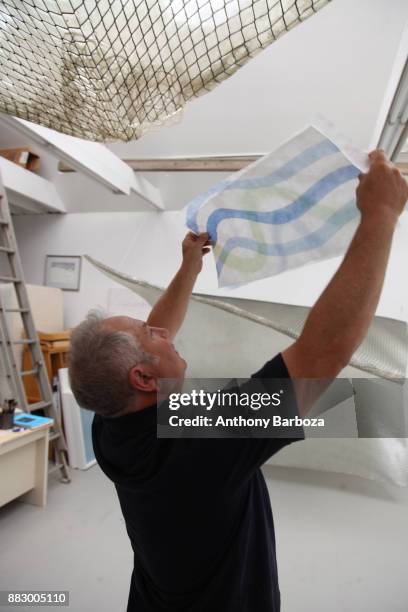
(155, 341)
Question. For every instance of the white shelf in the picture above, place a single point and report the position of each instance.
(28, 191)
(90, 158)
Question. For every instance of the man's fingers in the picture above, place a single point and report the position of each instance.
(378, 155)
(203, 237)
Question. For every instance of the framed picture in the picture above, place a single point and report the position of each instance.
(63, 272)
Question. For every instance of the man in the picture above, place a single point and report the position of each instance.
(197, 511)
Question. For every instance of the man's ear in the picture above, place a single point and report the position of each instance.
(141, 378)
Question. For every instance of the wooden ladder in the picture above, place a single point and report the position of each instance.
(14, 374)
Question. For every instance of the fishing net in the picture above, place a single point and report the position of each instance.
(111, 69)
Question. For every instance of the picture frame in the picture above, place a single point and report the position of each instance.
(63, 272)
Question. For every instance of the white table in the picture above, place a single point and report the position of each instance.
(24, 465)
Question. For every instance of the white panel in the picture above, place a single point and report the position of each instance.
(77, 423)
(90, 158)
(28, 190)
(47, 307)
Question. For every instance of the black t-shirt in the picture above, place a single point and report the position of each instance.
(197, 512)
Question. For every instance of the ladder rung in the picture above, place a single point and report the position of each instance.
(54, 436)
(25, 341)
(6, 250)
(10, 279)
(38, 406)
(22, 310)
(28, 372)
(3, 221)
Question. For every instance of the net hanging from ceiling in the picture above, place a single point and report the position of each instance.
(112, 69)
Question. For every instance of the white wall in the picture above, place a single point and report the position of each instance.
(108, 237)
(147, 246)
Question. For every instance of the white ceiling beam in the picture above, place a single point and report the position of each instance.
(394, 132)
(29, 191)
(209, 163)
(90, 158)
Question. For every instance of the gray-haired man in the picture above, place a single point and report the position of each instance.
(197, 511)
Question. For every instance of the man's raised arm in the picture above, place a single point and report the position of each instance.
(340, 319)
(171, 308)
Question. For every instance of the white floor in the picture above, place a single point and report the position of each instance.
(342, 543)
(77, 543)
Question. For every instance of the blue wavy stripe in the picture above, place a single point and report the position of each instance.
(308, 157)
(288, 213)
(309, 242)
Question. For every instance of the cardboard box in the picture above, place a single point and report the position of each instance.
(22, 156)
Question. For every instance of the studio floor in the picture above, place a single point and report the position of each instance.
(341, 543)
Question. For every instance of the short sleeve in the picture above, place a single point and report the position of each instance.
(274, 368)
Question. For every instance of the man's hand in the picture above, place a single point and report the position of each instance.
(194, 247)
(383, 191)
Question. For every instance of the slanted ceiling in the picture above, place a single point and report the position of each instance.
(315, 68)
(108, 70)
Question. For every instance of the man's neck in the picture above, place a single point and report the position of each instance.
(139, 404)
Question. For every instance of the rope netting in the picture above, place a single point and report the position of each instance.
(111, 69)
